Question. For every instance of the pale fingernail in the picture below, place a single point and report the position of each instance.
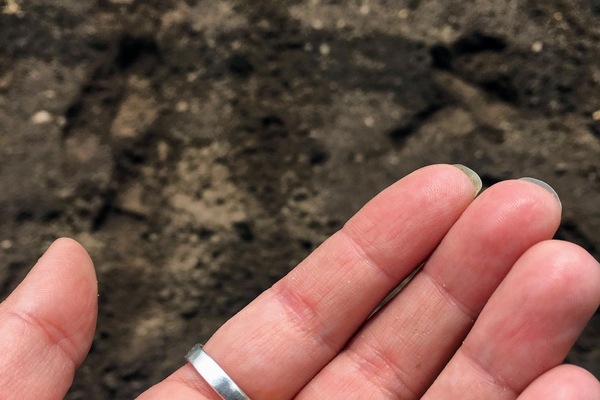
(475, 179)
(544, 185)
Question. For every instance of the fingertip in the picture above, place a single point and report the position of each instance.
(61, 291)
(430, 199)
(570, 269)
(542, 192)
(47, 324)
(473, 177)
(468, 178)
(69, 250)
(565, 382)
(527, 199)
(544, 186)
(577, 376)
(514, 204)
(466, 175)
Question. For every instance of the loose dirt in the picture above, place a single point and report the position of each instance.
(199, 149)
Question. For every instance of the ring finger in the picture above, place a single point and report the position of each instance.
(273, 347)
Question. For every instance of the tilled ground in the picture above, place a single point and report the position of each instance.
(199, 149)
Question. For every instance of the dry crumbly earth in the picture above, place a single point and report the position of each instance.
(199, 149)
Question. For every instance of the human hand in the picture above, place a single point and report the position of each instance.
(491, 315)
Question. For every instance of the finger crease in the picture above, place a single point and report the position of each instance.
(372, 366)
(303, 316)
(362, 254)
(449, 297)
(487, 374)
(54, 334)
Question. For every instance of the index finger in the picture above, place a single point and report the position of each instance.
(281, 340)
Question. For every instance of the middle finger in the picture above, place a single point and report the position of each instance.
(404, 347)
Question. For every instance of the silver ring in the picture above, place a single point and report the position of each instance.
(214, 375)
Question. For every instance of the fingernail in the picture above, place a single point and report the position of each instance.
(544, 185)
(475, 179)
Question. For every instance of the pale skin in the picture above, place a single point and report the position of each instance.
(491, 315)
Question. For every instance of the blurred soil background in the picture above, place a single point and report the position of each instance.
(199, 149)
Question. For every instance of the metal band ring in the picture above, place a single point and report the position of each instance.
(214, 375)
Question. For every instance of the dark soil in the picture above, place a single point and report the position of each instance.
(199, 149)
